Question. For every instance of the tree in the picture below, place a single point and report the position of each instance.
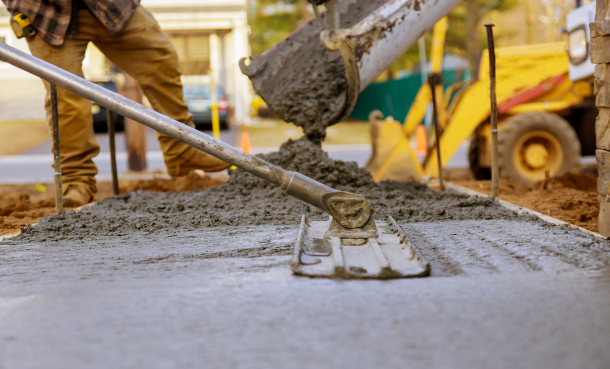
(465, 35)
(272, 20)
(473, 43)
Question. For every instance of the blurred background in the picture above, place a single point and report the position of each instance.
(210, 37)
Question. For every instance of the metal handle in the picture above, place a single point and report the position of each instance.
(310, 191)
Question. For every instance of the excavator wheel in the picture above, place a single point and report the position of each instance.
(479, 172)
(529, 144)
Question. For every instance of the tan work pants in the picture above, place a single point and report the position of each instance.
(143, 51)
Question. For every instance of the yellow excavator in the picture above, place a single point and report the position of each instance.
(545, 119)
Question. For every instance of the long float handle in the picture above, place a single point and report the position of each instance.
(294, 184)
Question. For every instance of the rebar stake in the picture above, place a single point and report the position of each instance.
(115, 177)
(433, 80)
(493, 116)
(59, 195)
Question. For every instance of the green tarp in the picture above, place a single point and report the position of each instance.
(395, 96)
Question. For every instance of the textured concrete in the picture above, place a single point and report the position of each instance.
(224, 297)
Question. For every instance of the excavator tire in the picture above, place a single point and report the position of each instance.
(529, 144)
(479, 173)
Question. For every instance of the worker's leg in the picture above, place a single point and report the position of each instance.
(144, 51)
(77, 141)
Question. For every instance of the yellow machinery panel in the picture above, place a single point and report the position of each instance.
(532, 78)
(399, 161)
(392, 156)
(519, 70)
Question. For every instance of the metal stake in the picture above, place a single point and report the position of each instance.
(433, 80)
(115, 177)
(59, 195)
(493, 116)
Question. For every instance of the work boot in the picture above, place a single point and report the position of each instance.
(198, 160)
(74, 197)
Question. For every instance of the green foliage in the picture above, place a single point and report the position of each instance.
(456, 33)
(272, 20)
(455, 41)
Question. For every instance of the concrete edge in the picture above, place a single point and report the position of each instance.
(520, 210)
(18, 233)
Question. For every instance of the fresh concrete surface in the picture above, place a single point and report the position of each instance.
(225, 297)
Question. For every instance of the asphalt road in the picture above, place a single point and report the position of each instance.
(34, 166)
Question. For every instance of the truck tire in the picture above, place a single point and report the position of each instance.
(478, 172)
(531, 143)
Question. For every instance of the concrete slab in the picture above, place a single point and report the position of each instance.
(225, 297)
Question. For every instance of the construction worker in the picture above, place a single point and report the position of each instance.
(131, 38)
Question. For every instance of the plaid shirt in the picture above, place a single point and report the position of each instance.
(51, 18)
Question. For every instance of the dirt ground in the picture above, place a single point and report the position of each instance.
(23, 204)
(571, 197)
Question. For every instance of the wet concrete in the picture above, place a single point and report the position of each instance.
(225, 297)
(309, 89)
(247, 200)
(201, 278)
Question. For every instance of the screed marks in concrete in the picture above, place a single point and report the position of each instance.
(459, 234)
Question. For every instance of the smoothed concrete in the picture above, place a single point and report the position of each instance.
(225, 297)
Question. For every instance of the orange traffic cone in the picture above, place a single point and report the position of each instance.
(422, 141)
(244, 143)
